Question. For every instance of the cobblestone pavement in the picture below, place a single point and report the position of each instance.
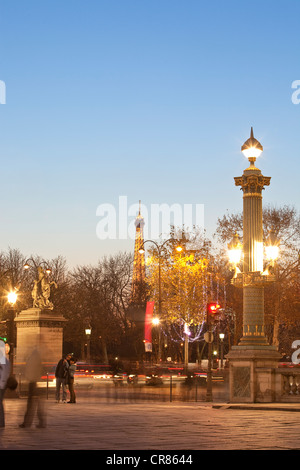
(93, 424)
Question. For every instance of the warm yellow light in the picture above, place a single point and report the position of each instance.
(272, 252)
(258, 256)
(272, 246)
(252, 148)
(252, 152)
(179, 248)
(12, 297)
(156, 321)
(26, 266)
(235, 250)
(141, 251)
(235, 255)
(149, 260)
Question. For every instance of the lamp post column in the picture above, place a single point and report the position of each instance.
(252, 362)
(252, 183)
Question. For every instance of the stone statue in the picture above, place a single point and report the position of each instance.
(42, 290)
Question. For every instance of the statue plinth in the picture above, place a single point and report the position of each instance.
(42, 329)
(252, 373)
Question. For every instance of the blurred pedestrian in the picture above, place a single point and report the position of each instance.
(61, 374)
(4, 374)
(33, 373)
(71, 372)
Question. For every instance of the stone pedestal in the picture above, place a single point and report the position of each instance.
(252, 374)
(41, 329)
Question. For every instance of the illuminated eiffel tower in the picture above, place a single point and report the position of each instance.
(139, 270)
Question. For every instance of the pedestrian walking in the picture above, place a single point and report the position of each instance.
(4, 375)
(35, 402)
(61, 373)
(71, 372)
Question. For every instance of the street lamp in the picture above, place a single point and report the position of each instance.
(254, 277)
(88, 332)
(252, 149)
(235, 253)
(159, 251)
(27, 266)
(222, 336)
(253, 351)
(156, 322)
(271, 250)
(12, 299)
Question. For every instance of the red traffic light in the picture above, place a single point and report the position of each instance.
(213, 308)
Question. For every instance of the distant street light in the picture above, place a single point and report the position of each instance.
(88, 332)
(156, 322)
(222, 336)
(35, 265)
(12, 299)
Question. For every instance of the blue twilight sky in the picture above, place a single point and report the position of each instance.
(148, 99)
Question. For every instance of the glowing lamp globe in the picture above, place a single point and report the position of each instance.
(235, 250)
(252, 149)
(12, 297)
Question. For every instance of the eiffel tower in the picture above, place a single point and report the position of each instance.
(139, 270)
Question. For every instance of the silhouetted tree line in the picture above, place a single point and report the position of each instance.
(99, 296)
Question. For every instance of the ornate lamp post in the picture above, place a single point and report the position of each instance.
(160, 249)
(253, 360)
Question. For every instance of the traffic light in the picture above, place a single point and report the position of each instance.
(213, 311)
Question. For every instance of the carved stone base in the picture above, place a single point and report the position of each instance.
(252, 374)
(41, 329)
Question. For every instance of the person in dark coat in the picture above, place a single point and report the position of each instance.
(71, 372)
(61, 374)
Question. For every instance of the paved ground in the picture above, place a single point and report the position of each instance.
(93, 424)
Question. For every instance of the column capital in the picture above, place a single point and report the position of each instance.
(252, 182)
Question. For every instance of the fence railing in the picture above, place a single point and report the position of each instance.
(286, 389)
(287, 385)
(170, 390)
